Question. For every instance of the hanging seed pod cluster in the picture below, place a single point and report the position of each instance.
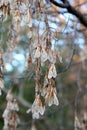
(42, 54)
(42, 50)
(81, 123)
(11, 119)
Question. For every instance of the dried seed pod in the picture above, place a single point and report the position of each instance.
(51, 97)
(52, 72)
(37, 108)
(44, 56)
(1, 85)
(9, 96)
(11, 119)
(37, 53)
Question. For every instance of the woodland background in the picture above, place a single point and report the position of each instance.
(71, 82)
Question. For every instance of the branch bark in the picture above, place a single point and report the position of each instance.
(71, 10)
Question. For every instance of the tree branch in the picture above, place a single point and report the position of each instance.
(59, 4)
(71, 10)
(70, 61)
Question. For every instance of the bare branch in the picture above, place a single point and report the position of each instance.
(72, 11)
(59, 4)
(70, 61)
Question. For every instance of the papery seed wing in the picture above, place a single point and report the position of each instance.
(37, 53)
(60, 59)
(54, 72)
(9, 96)
(28, 111)
(35, 115)
(30, 34)
(1, 83)
(11, 106)
(50, 56)
(55, 101)
(16, 107)
(85, 116)
(59, 55)
(44, 56)
(50, 75)
(42, 110)
(50, 101)
(77, 122)
(46, 81)
(5, 114)
(43, 92)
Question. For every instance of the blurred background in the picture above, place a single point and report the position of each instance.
(71, 81)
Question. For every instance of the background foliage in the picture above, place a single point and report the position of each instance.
(71, 82)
